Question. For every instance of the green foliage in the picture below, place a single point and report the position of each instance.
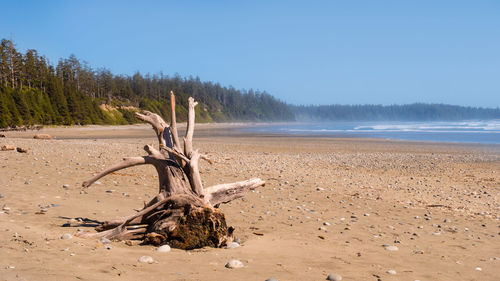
(129, 116)
(34, 92)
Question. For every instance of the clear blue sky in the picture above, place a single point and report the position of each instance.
(303, 52)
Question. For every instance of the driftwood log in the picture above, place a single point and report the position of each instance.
(184, 214)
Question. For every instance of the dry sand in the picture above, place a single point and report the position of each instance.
(329, 206)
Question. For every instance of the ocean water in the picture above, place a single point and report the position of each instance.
(483, 131)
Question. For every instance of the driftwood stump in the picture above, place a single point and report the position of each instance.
(184, 214)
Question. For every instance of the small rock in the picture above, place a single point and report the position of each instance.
(26, 182)
(391, 271)
(7, 147)
(66, 186)
(271, 279)
(146, 259)
(105, 240)
(326, 223)
(232, 245)
(66, 236)
(447, 220)
(234, 264)
(108, 247)
(42, 137)
(479, 269)
(163, 249)
(22, 150)
(1, 196)
(391, 247)
(334, 277)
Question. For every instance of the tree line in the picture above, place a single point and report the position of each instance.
(33, 91)
(408, 112)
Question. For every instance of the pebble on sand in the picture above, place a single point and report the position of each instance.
(271, 279)
(65, 186)
(66, 236)
(105, 240)
(390, 247)
(163, 249)
(234, 264)
(7, 147)
(334, 277)
(391, 271)
(21, 149)
(232, 245)
(145, 259)
(42, 137)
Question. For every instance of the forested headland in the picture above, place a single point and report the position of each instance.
(407, 112)
(34, 91)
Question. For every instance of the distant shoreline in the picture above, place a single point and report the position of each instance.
(208, 130)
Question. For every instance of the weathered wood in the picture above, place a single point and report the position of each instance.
(183, 214)
(173, 123)
(127, 162)
(224, 193)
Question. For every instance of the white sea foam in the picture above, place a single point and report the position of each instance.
(473, 126)
(487, 131)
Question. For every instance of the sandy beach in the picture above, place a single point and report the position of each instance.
(365, 209)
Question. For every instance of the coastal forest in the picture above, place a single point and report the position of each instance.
(34, 91)
(405, 112)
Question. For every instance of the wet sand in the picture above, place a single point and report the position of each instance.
(329, 206)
